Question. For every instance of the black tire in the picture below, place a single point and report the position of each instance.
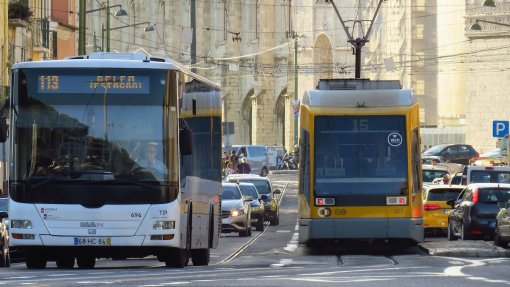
(264, 172)
(65, 262)
(464, 233)
(260, 224)
(178, 258)
(450, 234)
(35, 261)
(200, 257)
(86, 262)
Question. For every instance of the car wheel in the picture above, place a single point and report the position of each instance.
(451, 236)
(464, 233)
(260, 224)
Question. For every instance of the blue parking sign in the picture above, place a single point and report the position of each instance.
(499, 129)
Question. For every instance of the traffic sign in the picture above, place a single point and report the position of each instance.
(500, 128)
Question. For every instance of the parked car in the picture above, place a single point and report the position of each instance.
(267, 194)
(235, 210)
(257, 205)
(502, 232)
(474, 211)
(435, 208)
(455, 153)
(433, 171)
(480, 174)
(431, 159)
(256, 156)
(5, 258)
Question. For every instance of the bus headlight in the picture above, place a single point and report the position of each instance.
(163, 225)
(21, 224)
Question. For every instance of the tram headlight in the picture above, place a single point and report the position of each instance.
(163, 225)
(21, 224)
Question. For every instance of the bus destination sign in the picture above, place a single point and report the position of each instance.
(93, 84)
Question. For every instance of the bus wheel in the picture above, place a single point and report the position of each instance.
(200, 257)
(177, 258)
(65, 262)
(35, 261)
(86, 262)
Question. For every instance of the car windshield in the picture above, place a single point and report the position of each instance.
(230, 192)
(479, 176)
(430, 175)
(249, 190)
(434, 150)
(443, 194)
(493, 195)
(263, 186)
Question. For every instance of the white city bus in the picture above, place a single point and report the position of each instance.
(113, 155)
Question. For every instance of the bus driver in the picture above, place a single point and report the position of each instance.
(151, 162)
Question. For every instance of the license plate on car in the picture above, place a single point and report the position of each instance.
(92, 241)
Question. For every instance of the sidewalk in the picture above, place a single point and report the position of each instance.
(468, 248)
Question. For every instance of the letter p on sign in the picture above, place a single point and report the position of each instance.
(500, 128)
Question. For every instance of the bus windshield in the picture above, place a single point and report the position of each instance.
(360, 155)
(110, 128)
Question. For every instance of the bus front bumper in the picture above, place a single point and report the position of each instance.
(361, 228)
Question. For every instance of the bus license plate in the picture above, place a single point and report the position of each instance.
(92, 241)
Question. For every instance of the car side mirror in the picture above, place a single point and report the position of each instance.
(4, 214)
(185, 141)
(264, 197)
(277, 191)
(451, 202)
(248, 198)
(3, 129)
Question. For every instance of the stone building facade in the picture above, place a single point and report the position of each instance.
(266, 53)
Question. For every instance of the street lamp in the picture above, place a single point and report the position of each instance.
(478, 27)
(148, 28)
(82, 20)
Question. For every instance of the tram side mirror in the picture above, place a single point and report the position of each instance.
(3, 129)
(185, 143)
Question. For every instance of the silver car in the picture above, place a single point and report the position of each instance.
(257, 205)
(235, 210)
(256, 156)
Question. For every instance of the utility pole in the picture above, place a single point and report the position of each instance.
(82, 29)
(357, 43)
(295, 87)
(107, 26)
(194, 36)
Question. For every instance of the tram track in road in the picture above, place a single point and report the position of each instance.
(241, 249)
(345, 260)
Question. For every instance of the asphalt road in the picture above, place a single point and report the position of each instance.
(273, 258)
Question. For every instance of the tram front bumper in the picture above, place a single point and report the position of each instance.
(361, 228)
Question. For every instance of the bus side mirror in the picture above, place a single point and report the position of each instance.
(3, 129)
(185, 141)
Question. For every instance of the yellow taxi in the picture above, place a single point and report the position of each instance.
(436, 210)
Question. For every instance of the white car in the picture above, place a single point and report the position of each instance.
(235, 210)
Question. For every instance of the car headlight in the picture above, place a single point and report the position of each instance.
(163, 225)
(236, 212)
(22, 224)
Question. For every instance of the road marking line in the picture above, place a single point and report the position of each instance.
(283, 231)
(176, 283)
